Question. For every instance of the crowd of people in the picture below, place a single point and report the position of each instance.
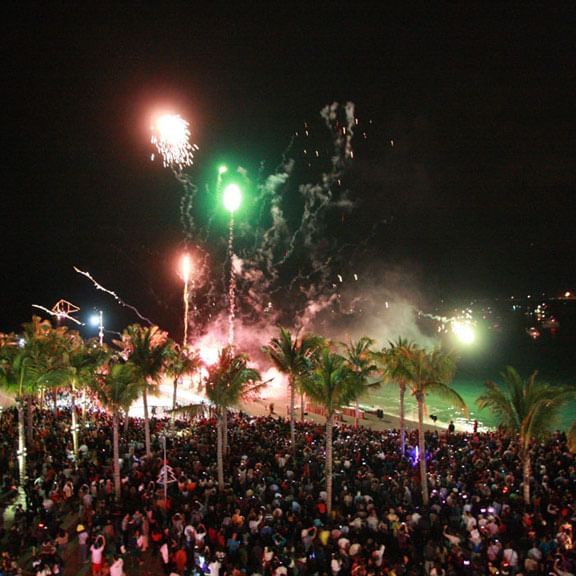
(271, 517)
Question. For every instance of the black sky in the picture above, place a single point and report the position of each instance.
(476, 195)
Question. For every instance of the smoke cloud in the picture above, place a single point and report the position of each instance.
(286, 252)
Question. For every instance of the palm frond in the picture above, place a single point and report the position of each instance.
(528, 407)
(449, 394)
(572, 438)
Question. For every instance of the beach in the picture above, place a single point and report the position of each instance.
(261, 407)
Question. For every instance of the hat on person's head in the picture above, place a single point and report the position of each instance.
(80, 528)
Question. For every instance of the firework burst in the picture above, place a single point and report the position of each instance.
(280, 268)
(171, 137)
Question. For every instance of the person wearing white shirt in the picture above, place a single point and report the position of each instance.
(117, 566)
(214, 567)
(511, 557)
(97, 553)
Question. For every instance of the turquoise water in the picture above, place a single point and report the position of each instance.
(554, 361)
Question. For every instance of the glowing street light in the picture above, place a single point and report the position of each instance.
(98, 320)
(185, 269)
(232, 199)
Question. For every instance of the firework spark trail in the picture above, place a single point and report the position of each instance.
(318, 198)
(443, 319)
(264, 258)
(267, 242)
(270, 191)
(171, 136)
(114, 295)
(187, 204)
(59, 315)
(231, 283)
(455, 323)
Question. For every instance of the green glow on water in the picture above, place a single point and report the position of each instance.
(388, 398)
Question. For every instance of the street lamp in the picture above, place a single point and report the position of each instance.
(185, 265)
(98, 320)
(232, 200)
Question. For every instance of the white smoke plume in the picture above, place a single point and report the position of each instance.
(286, 254)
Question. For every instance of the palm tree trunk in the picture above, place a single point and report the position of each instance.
(146, 422)
(21, 445)
(74, 417)
(422, 449)
(402, 423)
(329, 430)
(526, 473)
(175, 391)
(301, 406)
(30, 419)
(116, 455)
(292, 417)
(224, 430)
(219, 447)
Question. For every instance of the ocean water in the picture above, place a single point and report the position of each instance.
(553, 358)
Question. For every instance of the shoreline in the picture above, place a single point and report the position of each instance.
(260, 407)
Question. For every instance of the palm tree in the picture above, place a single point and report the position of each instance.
(227, 382)
(332, 383)
(146, 348)
(526, 409)
(393, 362)
(78, 362)
(292, 356)
(24, 370)
(17, 374)
(359, 356)
(41, 342)
(179, 362)
(430, 372)
(116, 387)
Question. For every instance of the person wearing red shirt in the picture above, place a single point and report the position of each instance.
(180, 560)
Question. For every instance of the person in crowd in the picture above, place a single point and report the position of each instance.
(271, 516)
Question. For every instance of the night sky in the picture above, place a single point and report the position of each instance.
(465, 179)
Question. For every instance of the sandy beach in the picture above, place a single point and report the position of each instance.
(261, 407)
